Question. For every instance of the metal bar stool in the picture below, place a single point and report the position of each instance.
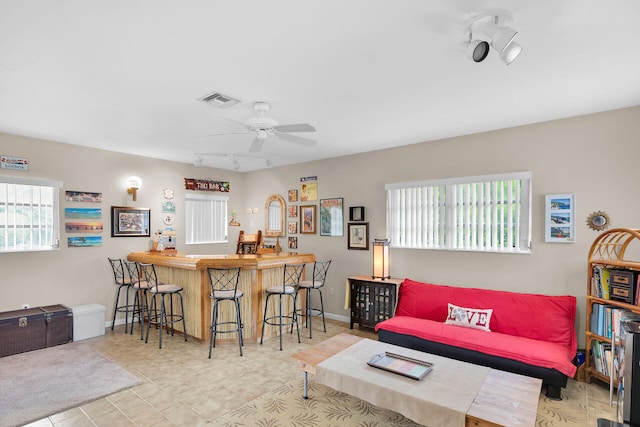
(224, 287)
(316, 282)
(162, 291)
(123, 282)
(140, 286)
(289, 287)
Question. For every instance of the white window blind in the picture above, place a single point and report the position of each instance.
(206, 219)
(490, 213)
(29, 216)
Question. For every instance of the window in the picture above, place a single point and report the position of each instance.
(490, 213)
(29, 217)
(206, 219)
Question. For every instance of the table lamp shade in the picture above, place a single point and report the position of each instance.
(381, 259)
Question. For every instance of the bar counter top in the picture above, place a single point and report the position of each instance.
(201, 262)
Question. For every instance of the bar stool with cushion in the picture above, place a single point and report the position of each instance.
(316, 282)
(159, 315)
(122, 281)
(140, 286)
(224, 287)
(289, 287)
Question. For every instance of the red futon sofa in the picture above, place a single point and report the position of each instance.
(528, 334)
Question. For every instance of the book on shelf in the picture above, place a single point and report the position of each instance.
(600, 278)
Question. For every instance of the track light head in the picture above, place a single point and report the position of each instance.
(236, 164)
(487, 30)
(198, 161)
(269, 164)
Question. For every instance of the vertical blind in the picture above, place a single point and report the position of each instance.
(29, 217)
(206, 219)
(482, 213)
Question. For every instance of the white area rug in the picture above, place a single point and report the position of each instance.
(40, 383)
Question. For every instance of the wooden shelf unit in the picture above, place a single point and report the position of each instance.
(608, 251)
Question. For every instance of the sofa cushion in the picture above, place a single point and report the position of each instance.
(469, 317)
(534, 316)
(531, 351)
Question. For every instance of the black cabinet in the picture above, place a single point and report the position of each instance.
(372, 300)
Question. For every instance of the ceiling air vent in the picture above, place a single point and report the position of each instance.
(219, 100)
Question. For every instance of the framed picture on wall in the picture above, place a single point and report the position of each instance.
(358, 235)
(560, 217)
(130, 222)
(331, 219)
(308, 219)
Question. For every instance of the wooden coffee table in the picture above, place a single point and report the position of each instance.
(500, 395)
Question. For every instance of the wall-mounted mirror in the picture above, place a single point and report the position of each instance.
(274, 211)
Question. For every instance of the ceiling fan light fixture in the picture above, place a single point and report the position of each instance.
(261, 134)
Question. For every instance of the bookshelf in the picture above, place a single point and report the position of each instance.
(612, 280)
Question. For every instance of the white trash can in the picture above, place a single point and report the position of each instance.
(88, 321)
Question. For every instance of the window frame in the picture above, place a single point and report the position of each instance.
(52, 207)
(455, 221)
(222, 226)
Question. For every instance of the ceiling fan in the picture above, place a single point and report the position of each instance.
(263, 126)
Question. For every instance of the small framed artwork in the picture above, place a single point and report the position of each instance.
(293, 195)
(308, 191)
(130, 222)
(292, 227)
(356, 213)
(331, 217)
(560, 210)
(358, 235)
(293, 243)
(292, 211)
(83, 196)
(308, 219)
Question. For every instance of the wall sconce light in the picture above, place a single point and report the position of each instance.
(134, 183)
(381, 259)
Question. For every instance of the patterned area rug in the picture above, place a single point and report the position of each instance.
(326, 407)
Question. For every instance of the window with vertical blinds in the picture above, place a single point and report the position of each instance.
(490, 213)
(206, 219)
(29, 216)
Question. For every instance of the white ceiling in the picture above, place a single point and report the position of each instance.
(125, 75)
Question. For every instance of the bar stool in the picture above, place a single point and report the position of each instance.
(140, 287)
(224, 287)
(289, 287)
(122, 281)
(316, 282)
(161, 291)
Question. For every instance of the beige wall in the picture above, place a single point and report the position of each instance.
(593, 156)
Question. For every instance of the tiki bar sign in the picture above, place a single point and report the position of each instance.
(206, 185)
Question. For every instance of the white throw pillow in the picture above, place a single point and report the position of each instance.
(469, 317)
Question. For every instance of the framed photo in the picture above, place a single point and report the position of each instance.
(292, 227)
(308, 191)
(331, 220)
(130, 222)
(292, 211)
(560, 218)
(308, 219)
(293, 243)
(358, 235)
(293, 195)
(356, 213)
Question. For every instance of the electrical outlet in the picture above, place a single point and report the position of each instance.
(25, 306)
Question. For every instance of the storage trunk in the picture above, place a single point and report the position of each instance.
(34, 328)
(59, 320)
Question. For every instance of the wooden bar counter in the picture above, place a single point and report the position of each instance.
(258, 272)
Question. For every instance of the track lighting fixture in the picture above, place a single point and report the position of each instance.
(235, 159)
(198, 161)
(269, 163)
(236, 164)
(489, 30)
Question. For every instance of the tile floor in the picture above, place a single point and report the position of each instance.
(182, 387)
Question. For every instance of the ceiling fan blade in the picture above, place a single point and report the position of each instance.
(299, 127)
(228, 133)
(296, 139)
(256, 145)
